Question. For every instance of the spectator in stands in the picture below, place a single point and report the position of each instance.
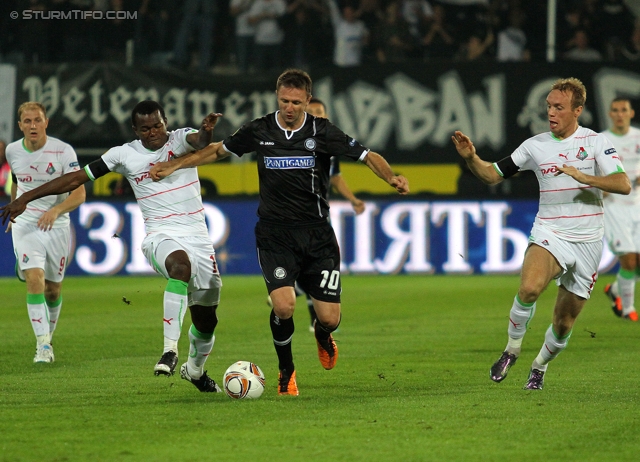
(351, 35)
(245, 33)
(152, 31)
(440, 38)
(512, 41)
(616, 22)
(264, 15)
(477, 46)
(631, 52)
(300, 25)
(417, 14)
(580, 50)
(395, 42)
(198, 15)
(114, 33)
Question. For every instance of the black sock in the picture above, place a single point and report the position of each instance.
(323, 332)
(282, 331)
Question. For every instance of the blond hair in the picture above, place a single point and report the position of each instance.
(31, 105)
(575, 86)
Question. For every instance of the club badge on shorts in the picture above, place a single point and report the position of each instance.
(280, 273)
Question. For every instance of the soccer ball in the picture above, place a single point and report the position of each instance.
(243, 379)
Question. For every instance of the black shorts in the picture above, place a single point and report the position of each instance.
(309, 255)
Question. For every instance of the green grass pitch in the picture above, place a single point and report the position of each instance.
(412, 382)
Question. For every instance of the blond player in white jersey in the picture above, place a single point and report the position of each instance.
(177, 243)
(41, 236)
(622, 213)
(573, 165)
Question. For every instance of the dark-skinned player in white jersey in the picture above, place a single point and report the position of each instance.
(294, 239)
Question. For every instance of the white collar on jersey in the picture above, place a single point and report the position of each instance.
(289, 133)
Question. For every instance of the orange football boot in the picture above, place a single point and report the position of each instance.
(329, 355)
(287, 383)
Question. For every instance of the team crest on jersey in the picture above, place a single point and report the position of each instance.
(280, 273)
(582, 154)
(50, 169)
(25, 258)
(310, 144)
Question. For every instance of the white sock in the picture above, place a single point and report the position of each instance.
(39, 317)
(200, 346)
(175, 307)
(519, 317)
(54, 313)
(627, 291)
(550, 349)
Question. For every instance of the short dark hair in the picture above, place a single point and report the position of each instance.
(621, 99)
(315, 100)
(295, 78)
(146, 107)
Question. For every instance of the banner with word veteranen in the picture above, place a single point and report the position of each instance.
(407, 113)
(404, 236)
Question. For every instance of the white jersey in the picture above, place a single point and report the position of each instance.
(628, 147)
(349, 38)
(571, 210)
(172, 206)
(33, 169)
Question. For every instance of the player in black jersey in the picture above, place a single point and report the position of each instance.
(317, 108)
(294, 239)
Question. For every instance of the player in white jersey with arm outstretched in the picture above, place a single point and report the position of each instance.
(574, 165)
(177, 243)
(42, 235)
(622, 213)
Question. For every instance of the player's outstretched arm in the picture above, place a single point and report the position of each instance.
(482, 169)
(617, 183)
(343, 188)
(381, 167)
(204, 135)
(63, 184)
(211, 153)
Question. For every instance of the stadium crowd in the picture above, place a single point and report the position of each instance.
(251, 35)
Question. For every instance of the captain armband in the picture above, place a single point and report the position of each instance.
(96, 169)
(506, 167)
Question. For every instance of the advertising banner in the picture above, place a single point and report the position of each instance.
(406, 112)
(390, 237)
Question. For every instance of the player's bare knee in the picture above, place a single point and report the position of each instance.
(179, 270)
(529, 293)
(330, 320)
(284, 310)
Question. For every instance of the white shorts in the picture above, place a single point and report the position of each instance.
(47, 250)
(204, 286)
(622, 228)
(579, 260)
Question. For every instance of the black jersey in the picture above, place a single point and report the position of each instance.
(293, 166)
